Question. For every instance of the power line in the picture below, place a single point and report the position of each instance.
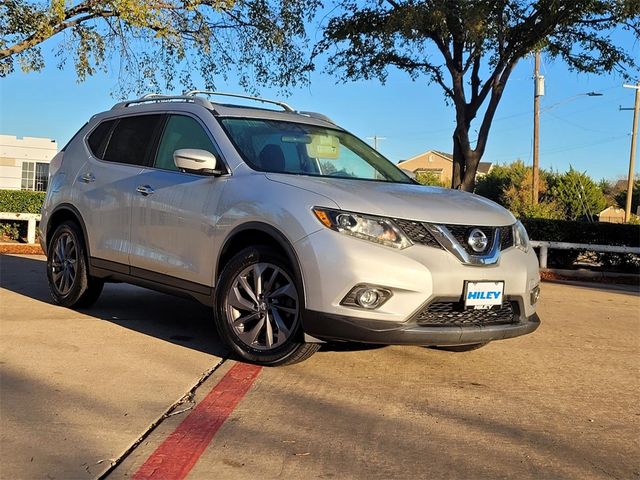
(557, 150)
(525, 113)
(581, 127)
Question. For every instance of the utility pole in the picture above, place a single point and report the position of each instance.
(375, 139)
(538, 91)
(632, 157)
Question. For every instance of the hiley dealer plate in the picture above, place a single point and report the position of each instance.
(482, 295)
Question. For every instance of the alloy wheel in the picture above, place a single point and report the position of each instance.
(262, 306)
(63, 264)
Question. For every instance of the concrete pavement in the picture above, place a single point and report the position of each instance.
(77, 388)
(561, 403)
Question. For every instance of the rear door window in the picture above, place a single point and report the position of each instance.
(181, 131)
(133, 139)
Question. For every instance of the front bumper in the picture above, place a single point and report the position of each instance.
(337, 327)
(333, 263)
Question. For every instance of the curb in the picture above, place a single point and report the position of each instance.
(21, 248)
(553, 274)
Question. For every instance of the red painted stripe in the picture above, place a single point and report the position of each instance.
(180, 451)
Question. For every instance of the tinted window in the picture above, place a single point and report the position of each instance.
(181, 132)
(98, 139)
(132, 139)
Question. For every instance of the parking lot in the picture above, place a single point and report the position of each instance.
(84, 393)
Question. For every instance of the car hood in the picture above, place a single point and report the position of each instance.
(413, 202)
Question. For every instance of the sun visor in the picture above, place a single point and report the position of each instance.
(324, 146)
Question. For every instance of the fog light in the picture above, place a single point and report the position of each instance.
(366, 296)
(535, 294)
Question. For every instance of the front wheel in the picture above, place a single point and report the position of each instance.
(258, 309)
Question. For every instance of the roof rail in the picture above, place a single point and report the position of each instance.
(284, 106)
(156, 97)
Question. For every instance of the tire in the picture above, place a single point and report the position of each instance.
(461, 348)
(70, 284)
(258, 309)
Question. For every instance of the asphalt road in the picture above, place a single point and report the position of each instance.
(79, 388)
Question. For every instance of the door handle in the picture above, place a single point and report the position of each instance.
(88, 177)
(145, 190)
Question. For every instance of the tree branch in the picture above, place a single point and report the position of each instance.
(408, 64)
(496, 94)
(38, 37)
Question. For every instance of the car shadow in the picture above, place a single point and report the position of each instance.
(349, 347)
(172, 319)
(176, 320)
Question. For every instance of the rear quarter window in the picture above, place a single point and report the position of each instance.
(98, 139)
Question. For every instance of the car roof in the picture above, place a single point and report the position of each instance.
(186, 102)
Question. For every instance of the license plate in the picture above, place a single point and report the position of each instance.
(483, 295)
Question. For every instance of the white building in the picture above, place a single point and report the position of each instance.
(24, 162)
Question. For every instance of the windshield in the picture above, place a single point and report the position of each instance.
(295, 148)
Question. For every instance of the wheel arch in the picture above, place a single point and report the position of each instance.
(258, 233)
(62, 213)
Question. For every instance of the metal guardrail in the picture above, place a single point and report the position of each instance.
(546, 246)
(30, 218)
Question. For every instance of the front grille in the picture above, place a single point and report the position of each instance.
(506, 237)
(453, 314)
(461, 234)
(417, 232)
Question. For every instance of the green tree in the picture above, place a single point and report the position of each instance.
(499, 179)
(621, 197)
(470, 47)
(159, 43)
(511, 186)
(577, 195)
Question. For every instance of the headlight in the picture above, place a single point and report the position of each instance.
(375, 229)
(520, 237)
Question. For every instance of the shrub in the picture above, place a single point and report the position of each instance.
(583, 232)
(590, 233)
(621, 197)
(21, 201)
(577, 195)
(9, 231)
(511, 187)
(432, 179)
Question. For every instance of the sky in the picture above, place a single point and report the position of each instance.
(588, 132)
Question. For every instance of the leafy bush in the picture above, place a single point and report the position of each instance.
(590, 233)
(9, 231)
(432, 179)
(577, 195)
(583, 232)
(621, 197)
(21, 201)
(511, 186)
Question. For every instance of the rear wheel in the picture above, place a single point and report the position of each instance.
(258, 309)
(70, 284)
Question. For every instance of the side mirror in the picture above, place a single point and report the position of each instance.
(193, 160)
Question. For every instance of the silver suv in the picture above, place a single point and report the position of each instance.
(293, 230)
